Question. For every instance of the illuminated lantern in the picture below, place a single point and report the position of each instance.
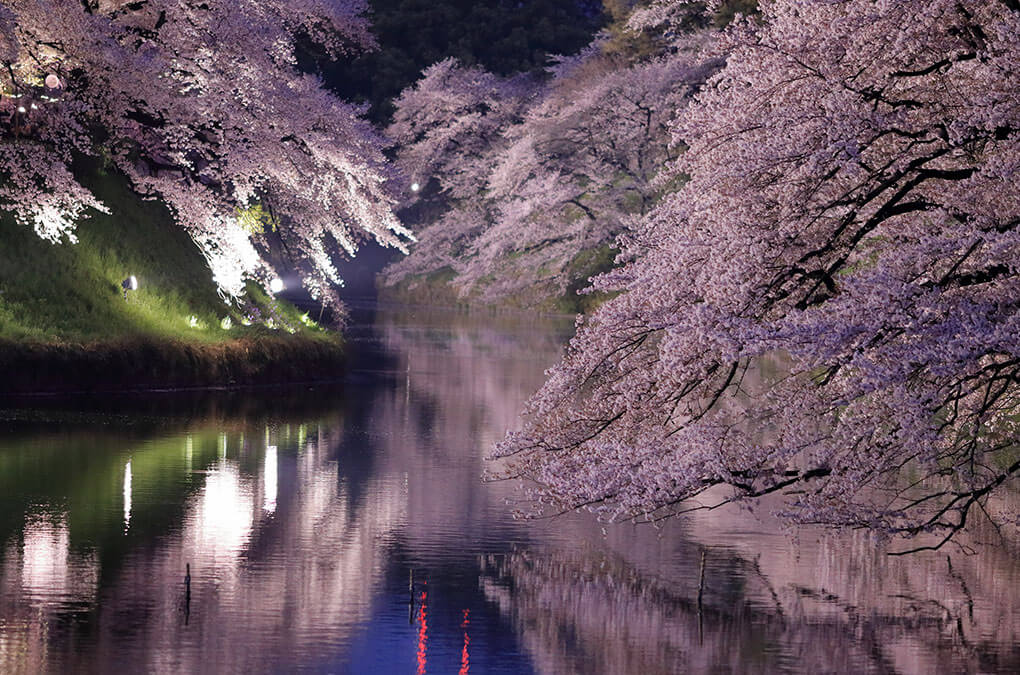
(129, 284)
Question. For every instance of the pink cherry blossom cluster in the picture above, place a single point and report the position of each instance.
(200, 104)
(828, 308)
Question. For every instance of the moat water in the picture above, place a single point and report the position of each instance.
(346, 529)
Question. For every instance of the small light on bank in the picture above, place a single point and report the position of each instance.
(22, 109)
(276, 285)
(129, 284)
(415, 187)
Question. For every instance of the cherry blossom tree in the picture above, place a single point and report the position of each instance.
(582, 165)
(531, 178)
(201, 105)
(447, 128)
(828, 308)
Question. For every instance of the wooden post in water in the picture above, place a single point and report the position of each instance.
(701, 580)
(187, 593)
(410, 597)
(701, 593)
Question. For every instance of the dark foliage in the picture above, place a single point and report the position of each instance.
(504, 36)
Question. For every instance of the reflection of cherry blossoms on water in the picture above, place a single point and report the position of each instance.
(304, 583)
(623, 621)
(459, 383)
(736, 590)
(771, 600)
(283, 560)
(300, 538)
(40, 575)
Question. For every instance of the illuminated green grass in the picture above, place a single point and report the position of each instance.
(72, 292)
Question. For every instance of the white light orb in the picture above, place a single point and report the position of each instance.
(52, 81)
(276, 285)
(22, 109)
(415, 187)
(132, 283)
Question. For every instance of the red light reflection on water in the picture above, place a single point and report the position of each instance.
(464, 664)
(423, 635)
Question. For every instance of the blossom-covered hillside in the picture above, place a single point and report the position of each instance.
(518, 187)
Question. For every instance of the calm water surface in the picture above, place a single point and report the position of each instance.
(347, 531)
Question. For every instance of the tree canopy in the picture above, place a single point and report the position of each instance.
(201, 105)
(530, 180)
(851, 212)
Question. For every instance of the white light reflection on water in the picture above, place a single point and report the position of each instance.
(40, 576)
(44, 568)
(45, 552)
(270, 479)
(127, 495)
(221, 523)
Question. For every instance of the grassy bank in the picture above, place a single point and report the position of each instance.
(66, 325)
(153, 362)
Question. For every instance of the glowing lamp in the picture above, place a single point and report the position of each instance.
(276, 285)
(129, 284)
(52, 81)
(415, 187)
(22, 109)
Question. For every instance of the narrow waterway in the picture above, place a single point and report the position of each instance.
(346, 530)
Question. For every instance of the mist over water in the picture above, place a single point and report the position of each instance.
(347, 529)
